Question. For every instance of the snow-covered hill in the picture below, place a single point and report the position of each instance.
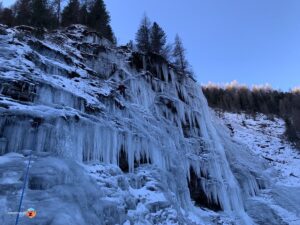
(264, 137)
(118, 137)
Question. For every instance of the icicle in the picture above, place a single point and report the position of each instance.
(165, 72)
(53, 96)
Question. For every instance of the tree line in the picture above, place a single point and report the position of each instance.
(151, 38)
(48, 14)
(239, 98)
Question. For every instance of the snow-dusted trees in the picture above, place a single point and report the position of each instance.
(71, 13)
(158, 38)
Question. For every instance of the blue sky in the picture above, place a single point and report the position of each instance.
(252, 41)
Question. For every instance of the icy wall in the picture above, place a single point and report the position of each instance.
(76, 96)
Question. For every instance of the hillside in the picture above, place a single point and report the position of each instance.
(265, 138)
(259, 99)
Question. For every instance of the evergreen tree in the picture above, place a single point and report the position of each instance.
(166, 52)
(109, 34)
(179, 55)
(143, 36)
(99, 19)
(42, 14)
(158, 38)
(71, 13)
(83, 15)
(24, 12)
(7, 17)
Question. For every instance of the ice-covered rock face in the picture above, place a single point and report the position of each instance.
(76, 96)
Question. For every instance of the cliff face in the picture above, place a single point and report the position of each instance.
(117, 137)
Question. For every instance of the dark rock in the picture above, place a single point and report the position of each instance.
(36, 122)
(198, 194)
(92, 109)
(18, 90)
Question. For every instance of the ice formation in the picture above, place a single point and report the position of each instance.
(59, 95)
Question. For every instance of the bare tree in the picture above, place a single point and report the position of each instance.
(179, 55)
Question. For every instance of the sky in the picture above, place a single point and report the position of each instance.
(251, 41)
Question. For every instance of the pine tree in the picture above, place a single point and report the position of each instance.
(7, 17)
(109, 34)
(99, 19)
(71, 13)
(42, 15)
(83, 15)
(23, 12)
(158, 38)
(179, 56)
(143, 36)
(166, 52)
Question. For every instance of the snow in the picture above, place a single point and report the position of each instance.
(265, 138)
(142, 192)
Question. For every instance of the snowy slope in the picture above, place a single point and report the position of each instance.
(152, 155)
(264, 137)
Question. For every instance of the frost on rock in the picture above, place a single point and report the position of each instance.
(163, 157)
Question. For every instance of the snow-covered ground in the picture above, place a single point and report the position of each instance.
(141, 194)
(265, 137)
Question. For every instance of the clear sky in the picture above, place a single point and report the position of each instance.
(252, 41)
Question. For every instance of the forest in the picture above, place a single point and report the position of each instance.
(258, 99)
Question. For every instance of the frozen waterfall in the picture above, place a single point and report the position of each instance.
(69, 105)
